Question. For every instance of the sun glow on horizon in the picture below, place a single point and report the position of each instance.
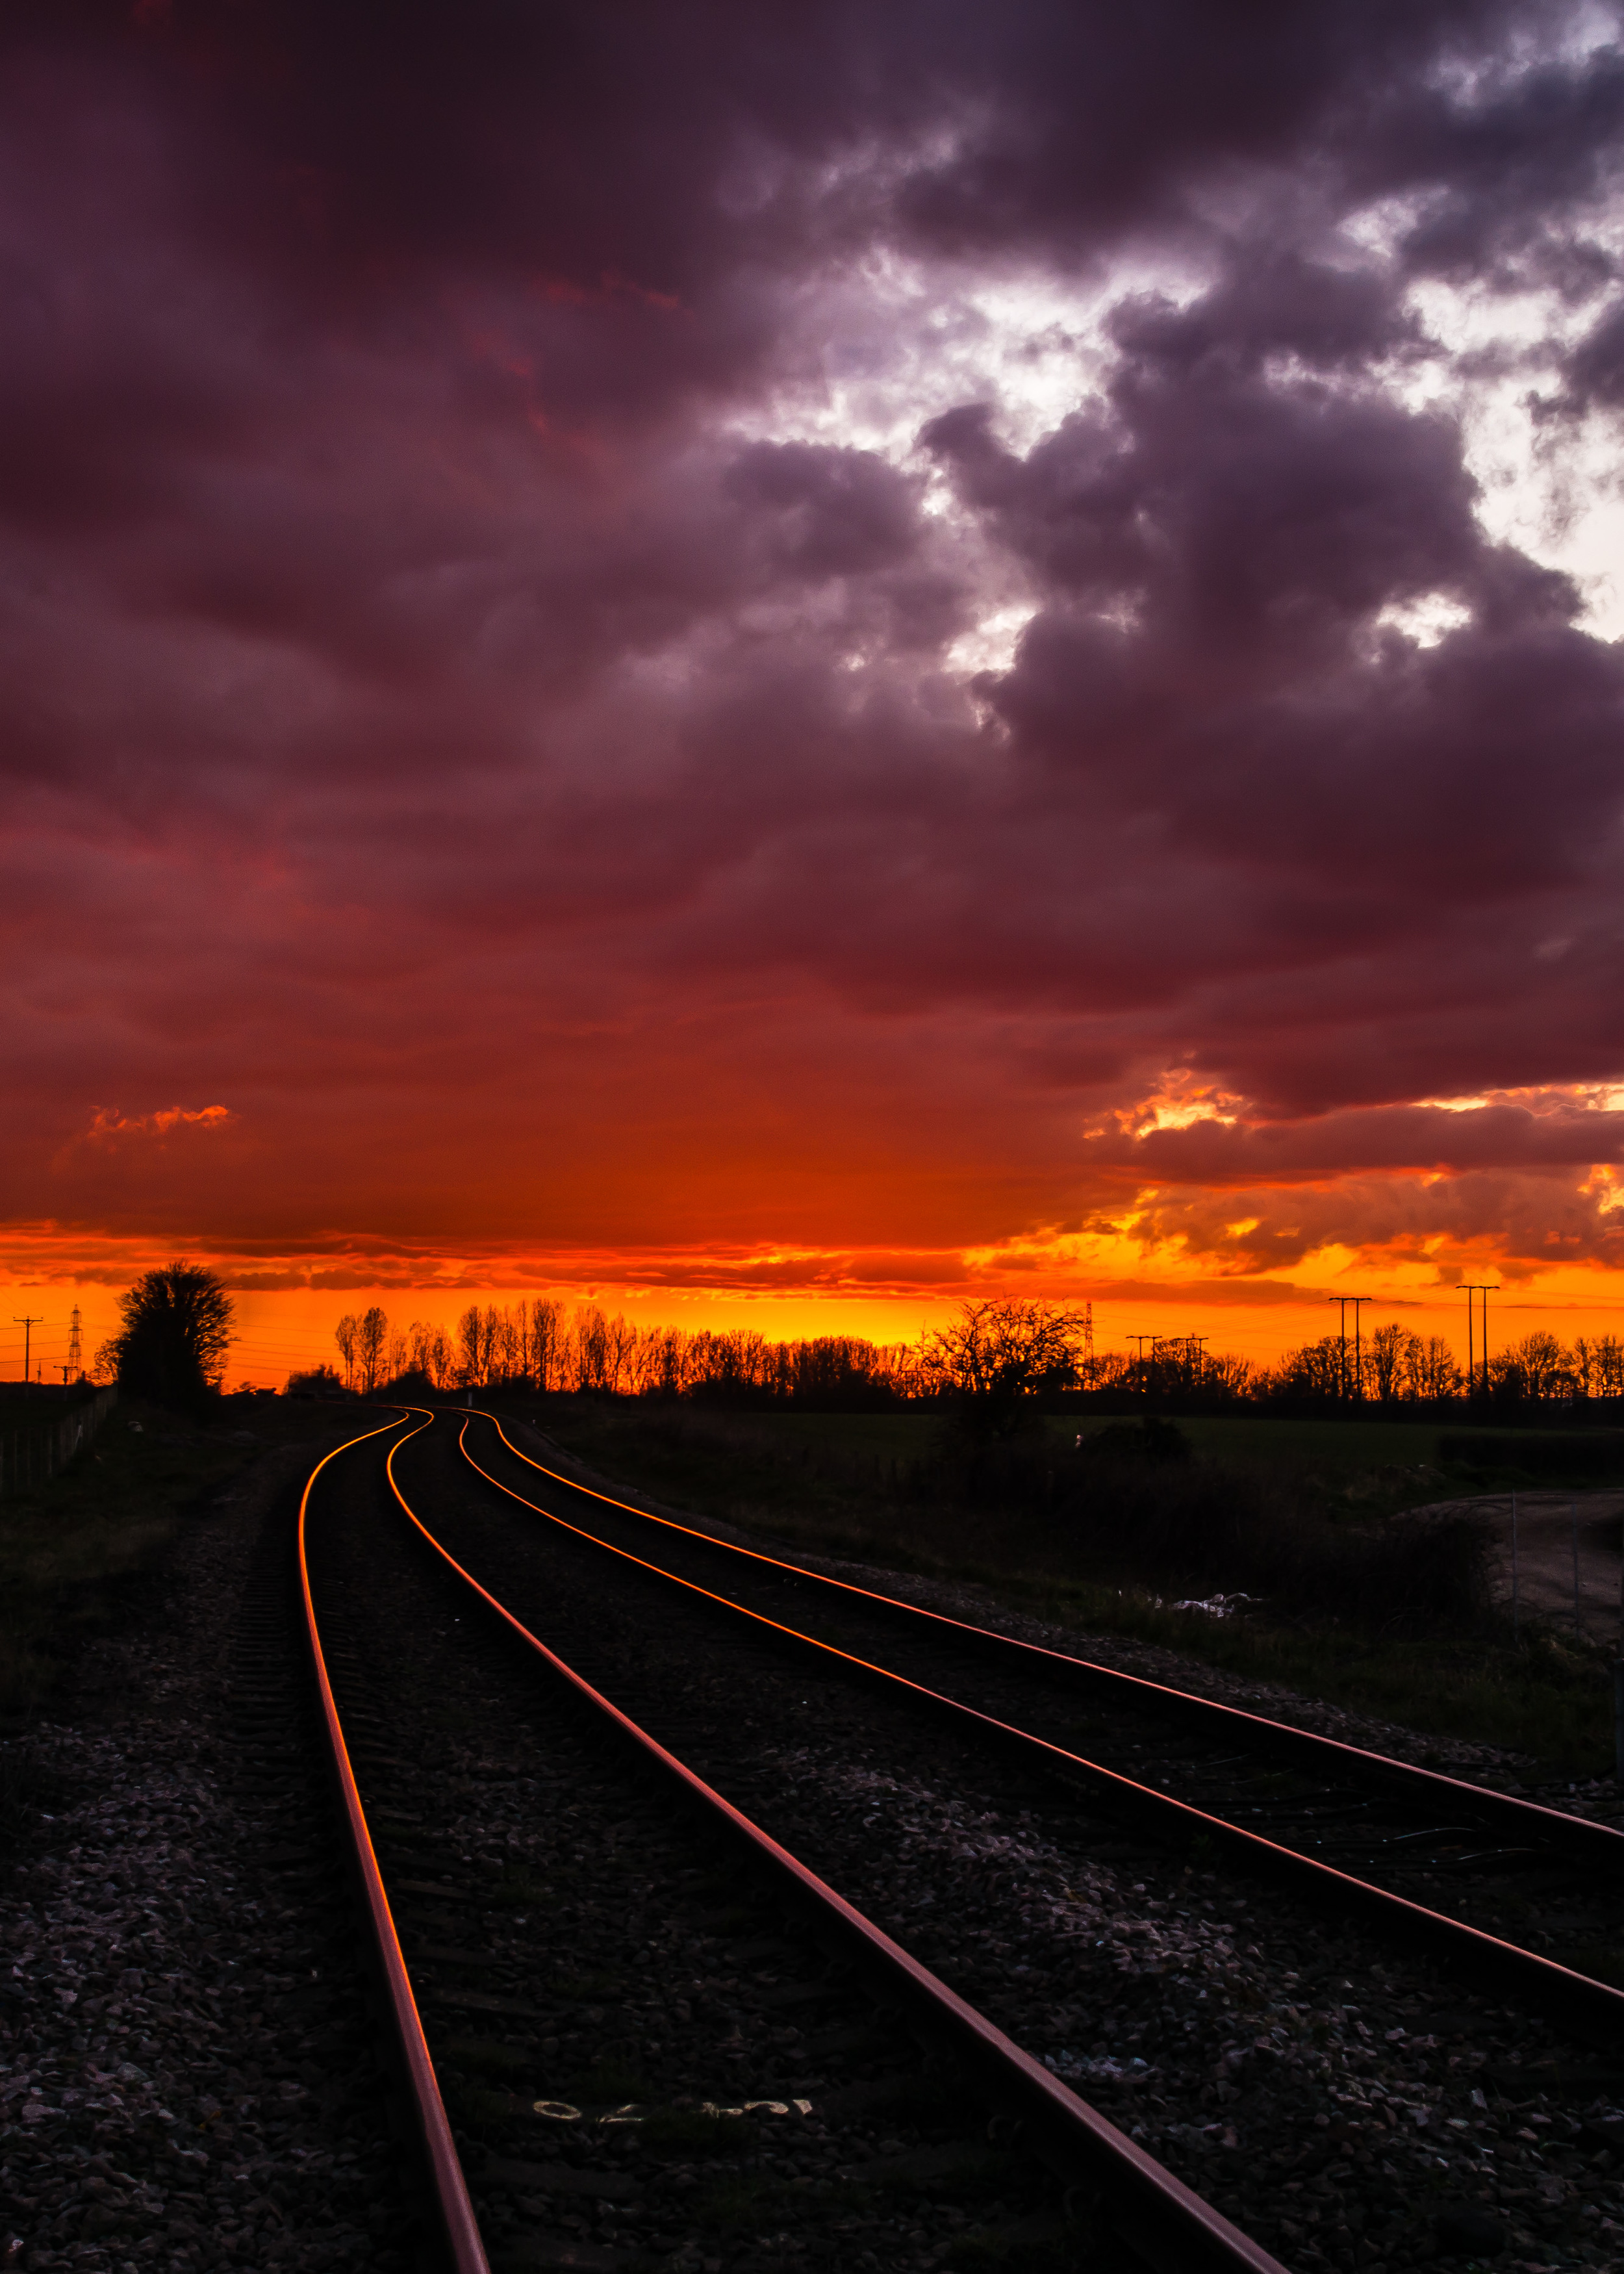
(284, 1327)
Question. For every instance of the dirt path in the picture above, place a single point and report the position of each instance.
(1546, 1523)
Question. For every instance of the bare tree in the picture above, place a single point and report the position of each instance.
(660, 1361)
(547, 1334)
(619, 1342)
(590, 1337)
(502, 1342)
(1317, 1370)
(997, 1357)
(1543, 1364)
(372, 1338)
(1388, 1349)
(347, 1335)
(471, 1347)
(441, 1359)
(1235, 1377)
(1431, 1371)
(1609, 1362)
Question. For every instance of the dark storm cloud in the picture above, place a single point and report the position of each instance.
(1413, 841)
(1595, 368)
(1501, 160)
(435, 653)
(832, 513)
(1415, 1138)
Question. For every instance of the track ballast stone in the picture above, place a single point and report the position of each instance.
(187, 2076)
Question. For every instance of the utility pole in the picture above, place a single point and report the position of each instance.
(1344, 1300)
(1478, 1287)
(1088, 1344)
(28, 1326)
(1359, 1346)
(1141, 1340)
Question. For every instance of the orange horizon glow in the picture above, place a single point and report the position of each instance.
(289, 1328)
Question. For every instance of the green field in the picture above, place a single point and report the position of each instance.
(1393, 1464)
(1336, 1453)
(1336, 1450)
(840, 1483)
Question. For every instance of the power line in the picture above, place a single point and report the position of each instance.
(1359, 1345)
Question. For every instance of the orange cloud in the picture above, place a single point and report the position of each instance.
(108, 1123)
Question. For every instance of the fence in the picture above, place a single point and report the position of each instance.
(33, 1456)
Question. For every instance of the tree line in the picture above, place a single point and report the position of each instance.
(995, 1355)
(1390, 1366)
(543, 1344)
(997, 1359)
(1395, 1366)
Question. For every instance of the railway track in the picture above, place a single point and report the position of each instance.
(1322, 1984)
(1418, 1854)
(632, 2028)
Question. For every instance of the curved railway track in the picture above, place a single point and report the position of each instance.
(1523, 1824)
(1434, 1862)
(1298, 2129)
(538, 2155)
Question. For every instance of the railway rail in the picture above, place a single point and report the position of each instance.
(376, 1627)
(1433, 1861)
(786, 1737)
(1520, 1822)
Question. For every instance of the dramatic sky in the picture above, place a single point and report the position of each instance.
(780, 662)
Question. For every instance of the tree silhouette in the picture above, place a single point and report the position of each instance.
(176, 1329)
(995, 1358)
(371, 1340)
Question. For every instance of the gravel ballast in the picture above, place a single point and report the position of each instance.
(187, 2076)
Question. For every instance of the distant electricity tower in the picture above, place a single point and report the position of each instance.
(75, 1365)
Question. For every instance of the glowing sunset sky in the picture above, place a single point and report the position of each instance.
(779, 663)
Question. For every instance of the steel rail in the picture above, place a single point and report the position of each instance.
(1589, 2009)
(459, 2229)
(1595, 1845)
(1167, 2221)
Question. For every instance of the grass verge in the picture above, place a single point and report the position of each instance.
(69, 1549)
(65, 1547)
(859, 1486)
